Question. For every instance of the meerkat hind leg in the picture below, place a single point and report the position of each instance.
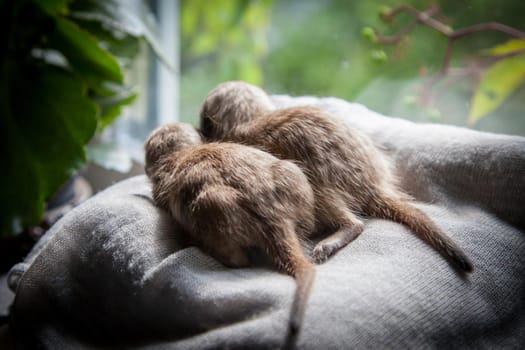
(231, 256)
(349, 228)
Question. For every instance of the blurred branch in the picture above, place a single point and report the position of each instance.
(426, 18)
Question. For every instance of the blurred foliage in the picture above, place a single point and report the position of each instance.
(496, 76)
(321, 48)
(228, 35)
(221, 40)
(62, 79)
(499, 80)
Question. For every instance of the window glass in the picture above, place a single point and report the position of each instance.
(329, 48)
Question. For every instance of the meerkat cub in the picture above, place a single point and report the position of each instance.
(229, 197)
(349, 175)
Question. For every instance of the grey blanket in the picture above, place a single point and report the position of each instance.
(111, 273)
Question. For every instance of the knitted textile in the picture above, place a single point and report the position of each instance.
(111, 274)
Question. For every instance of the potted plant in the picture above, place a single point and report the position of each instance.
(62, 67)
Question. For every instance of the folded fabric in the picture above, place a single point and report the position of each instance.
(112, 274)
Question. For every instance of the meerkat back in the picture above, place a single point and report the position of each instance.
(230, 197)
(350, 176)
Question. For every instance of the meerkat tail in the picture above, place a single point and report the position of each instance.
(288, 253)
(304, 278)
(405, 213)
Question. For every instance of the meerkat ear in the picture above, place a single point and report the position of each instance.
(207, 125)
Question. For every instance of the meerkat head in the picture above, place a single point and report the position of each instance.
(230, 104)
(166, 140)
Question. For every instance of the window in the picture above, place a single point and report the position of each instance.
(157, 102)
(323, 49)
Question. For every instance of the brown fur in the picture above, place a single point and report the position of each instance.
(349, 175)
(229, 197)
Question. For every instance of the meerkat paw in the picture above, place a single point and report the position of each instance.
(336, 241)
(324, 250)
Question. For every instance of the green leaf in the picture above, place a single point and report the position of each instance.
(131, 17)
(53, 7)
(121, 45)
(511, 46)
(111, 106)
(59, 82)
(46, 121)
(128, 16)
(497, 83)
(84, 54)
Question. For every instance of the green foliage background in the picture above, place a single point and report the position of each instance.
(317, 48)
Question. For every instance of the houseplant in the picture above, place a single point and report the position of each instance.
(62, 67)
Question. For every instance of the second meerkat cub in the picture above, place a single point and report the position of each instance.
(228, 197)
(348, 173)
